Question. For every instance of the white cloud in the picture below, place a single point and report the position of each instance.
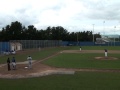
(74, 15)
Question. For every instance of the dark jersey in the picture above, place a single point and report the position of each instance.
(105, 50)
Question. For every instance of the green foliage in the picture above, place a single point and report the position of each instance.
(16, 31)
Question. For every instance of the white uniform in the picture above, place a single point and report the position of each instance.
(80, 48)
(29, 61)
(13, 63)
(105, 52)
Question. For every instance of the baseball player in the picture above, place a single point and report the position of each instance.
(8, 63)
(29, 58)
(13, 63)
(80, 48)
(106, 52)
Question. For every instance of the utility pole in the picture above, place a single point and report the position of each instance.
(104, 27)
(77, 38)
(114, 35)
(93, 32)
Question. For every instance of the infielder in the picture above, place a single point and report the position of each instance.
(80, 48)
(105, 52)
(29, 58)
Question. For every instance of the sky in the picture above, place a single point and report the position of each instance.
(98, 16)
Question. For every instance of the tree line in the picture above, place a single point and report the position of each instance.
(17, 31)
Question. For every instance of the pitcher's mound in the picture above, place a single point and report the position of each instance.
(106, 58)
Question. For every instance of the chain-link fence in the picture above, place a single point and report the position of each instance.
(4, 46)
(29, 44)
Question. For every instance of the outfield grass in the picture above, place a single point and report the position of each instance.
(79, 81)
(95, 47)
(49, 51)
(83, 60)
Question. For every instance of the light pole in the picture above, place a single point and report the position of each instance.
(114, 35)
(104, 27)
(77, 38)
(93, 32)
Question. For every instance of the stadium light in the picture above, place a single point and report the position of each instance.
(114, 35)
(104, 27)
(77, 38)
(93, 32)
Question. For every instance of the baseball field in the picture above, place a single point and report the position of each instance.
(63, 68)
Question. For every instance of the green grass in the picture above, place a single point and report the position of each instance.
(83, 60)
(36, 55)
(49, 51)
(95, 47)
(79, 81)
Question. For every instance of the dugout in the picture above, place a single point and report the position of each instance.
(15, 46)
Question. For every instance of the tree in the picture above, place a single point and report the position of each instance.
(31, 33)
(16, 31)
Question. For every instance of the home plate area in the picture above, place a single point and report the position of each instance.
(38, 69)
